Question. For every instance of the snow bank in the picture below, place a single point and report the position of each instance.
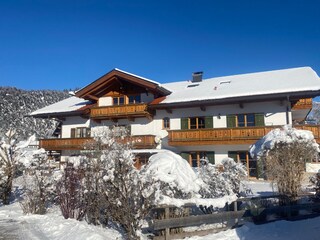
(171, 168)
(53, 226)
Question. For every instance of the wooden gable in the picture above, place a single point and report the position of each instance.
(120, 82)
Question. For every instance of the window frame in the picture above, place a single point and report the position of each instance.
(197, 122)
(198, 156)
(249, 120)
(80, 132)
(166, 123)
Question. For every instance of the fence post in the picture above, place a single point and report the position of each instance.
(236, 220)
(167, 216)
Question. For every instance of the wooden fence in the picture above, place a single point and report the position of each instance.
(172, 223)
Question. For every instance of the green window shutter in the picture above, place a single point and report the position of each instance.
(208, 122)
(233, 155)
(184, 123)
(185, 156)
(210, 156)
(231, 121)
(259, 119)
(73, 133)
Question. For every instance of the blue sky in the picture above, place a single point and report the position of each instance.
(66, 44)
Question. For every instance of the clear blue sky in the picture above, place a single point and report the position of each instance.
(66, 44)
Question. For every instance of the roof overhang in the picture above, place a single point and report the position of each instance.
(89, 91)
(236, 100)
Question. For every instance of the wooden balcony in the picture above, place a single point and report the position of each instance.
(225, 136)
(304, 103)
(122, 111)
(58, 144)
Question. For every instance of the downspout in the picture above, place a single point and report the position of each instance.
(288, 109)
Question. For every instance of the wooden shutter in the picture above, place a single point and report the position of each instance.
(233, 155)
(210, 156)
(184, 123)
(73, 133)
(185, 156)
(259, 119)
(231, 121)
(208, 122)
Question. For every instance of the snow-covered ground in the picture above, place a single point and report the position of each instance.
(305, 229)
(15, 225)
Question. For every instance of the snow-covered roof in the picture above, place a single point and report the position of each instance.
(252, 84)
(134, 75)
(292, 80)
(67, 105)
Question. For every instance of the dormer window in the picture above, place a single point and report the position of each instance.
(134, 99)
(119, 100)
(126, 99)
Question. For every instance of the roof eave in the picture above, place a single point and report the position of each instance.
(235, 100)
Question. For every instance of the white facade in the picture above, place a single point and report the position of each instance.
(270, 95)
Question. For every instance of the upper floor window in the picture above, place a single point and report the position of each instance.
(80, 132)
(134, 99)
(166, 123)
(197, 122)
(119, 100)
(245, 120)
(122, 100)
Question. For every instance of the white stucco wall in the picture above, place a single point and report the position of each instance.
(221, 151)
(73, 122)
(105, 101)
(275, 113)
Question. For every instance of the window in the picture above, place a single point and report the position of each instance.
(197, 122)
(197, 158)
(81, 132)
(245, 120)
(119, 100)
(166, 123)
(134, 99)
(245, 158)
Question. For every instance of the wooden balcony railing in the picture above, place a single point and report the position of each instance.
(57, 144)
(304, 103)
(222, 136)
(122, 111)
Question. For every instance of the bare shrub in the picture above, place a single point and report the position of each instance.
(283, 154)
(38, 184)
(70, 193)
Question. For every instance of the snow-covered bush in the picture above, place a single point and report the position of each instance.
(221, 181)
(70, 192)
(282, 154)
(110, 175)
(39, 181)
(169, 175)
(10, 152)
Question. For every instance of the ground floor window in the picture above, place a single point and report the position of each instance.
(141, 159)
(195, 158)
(245, 158)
